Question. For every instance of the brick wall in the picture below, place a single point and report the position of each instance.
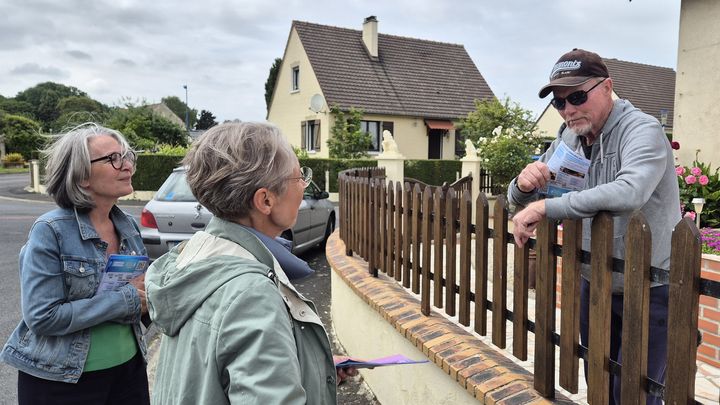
(709, 321)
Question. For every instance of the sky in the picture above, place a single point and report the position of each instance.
(222, 50)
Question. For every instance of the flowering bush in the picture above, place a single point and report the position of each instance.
(711, 240)
(505, 153)
(698, 181)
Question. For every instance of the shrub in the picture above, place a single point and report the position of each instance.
(505, 153)
(698, 181)
(334, 166)
(13, 158)
(711, 240)
(22, 135)
(153, 169)
(434, 172)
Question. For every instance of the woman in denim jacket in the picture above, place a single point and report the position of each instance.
(73, 345)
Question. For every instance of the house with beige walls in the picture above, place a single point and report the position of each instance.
(415, 88)
(697, 91)
(649, 88)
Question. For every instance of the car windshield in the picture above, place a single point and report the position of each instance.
(175, 188)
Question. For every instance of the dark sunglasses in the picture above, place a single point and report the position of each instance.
(575, 98)
(117, 159)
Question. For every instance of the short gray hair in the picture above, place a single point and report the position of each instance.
(230, 162)
(68, 164)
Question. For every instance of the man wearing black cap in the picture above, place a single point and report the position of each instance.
(631, 169)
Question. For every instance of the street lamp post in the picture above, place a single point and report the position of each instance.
(187, 116)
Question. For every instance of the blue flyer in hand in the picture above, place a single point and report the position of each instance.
(120, 269)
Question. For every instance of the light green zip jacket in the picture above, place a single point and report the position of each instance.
(235, 330)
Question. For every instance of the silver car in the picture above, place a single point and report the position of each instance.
(174, 215)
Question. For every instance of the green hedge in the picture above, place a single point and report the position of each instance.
(319, 166)
(433, 172)
(152, 170)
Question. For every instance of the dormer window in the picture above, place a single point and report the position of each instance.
(295, 77)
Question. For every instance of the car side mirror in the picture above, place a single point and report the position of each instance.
(322, 195)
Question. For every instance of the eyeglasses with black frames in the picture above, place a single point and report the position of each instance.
(117, 159)
(575, 98)
(305, 175)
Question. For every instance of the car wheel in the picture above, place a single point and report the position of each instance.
(329, 229)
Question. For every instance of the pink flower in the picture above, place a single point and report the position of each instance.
(675, 145)
(703, 180)
(690, 179)
(690, 214)
(679, 170)
(696, 171)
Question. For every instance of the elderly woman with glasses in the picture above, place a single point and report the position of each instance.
(75, 344)
(235, 329)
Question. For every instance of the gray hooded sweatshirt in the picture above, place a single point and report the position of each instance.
(632, 169)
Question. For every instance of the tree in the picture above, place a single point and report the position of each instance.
(75, 110)
(16, 107)
(490, 114)
(22, 135)
(179, 107)
(206, 121)
(348, 141)
(44, 99)
(270, 82)
(144, 129)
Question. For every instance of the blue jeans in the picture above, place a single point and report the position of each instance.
(657, 338)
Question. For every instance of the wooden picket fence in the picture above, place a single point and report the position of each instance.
(415, 236)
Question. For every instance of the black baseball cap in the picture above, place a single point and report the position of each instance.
(573, 69)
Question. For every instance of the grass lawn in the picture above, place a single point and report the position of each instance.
(19, 170)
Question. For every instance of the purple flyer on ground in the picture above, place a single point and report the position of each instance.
(380, 362)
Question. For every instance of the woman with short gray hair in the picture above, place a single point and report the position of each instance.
(235, 329)
(75, 344)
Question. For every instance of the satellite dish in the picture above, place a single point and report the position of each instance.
(317, 102)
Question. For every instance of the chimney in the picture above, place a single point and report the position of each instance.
(370, 35)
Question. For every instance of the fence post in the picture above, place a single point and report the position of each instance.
(499, 306)
(600, 308)
(481, 263)
(685, 259)
(35, 175)
(545, 308)
(570, 310)
(451, 213)
(636, 312)
(390, 233)
(471, 167)
(426, 245)
(465, 240)
(416, 201)
(438, 231)
(394, 164)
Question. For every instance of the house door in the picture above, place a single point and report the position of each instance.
(435, 138)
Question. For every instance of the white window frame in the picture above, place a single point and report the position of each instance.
(365, 126)
(295, 78)
(310, 135)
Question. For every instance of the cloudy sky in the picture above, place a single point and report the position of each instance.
(222, 50)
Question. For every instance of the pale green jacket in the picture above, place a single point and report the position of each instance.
(235, 330)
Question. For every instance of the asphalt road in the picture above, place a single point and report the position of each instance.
(18, 210)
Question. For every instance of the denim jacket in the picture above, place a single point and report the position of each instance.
(60, 269)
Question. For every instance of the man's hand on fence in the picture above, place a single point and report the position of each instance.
(533, 177)
(525, 222)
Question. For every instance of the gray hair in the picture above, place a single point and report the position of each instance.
(68, 164)
(230, 162)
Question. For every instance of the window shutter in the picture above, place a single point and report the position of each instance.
(316, 135)
(302, 135)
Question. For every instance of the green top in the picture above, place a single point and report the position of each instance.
(111, 344)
